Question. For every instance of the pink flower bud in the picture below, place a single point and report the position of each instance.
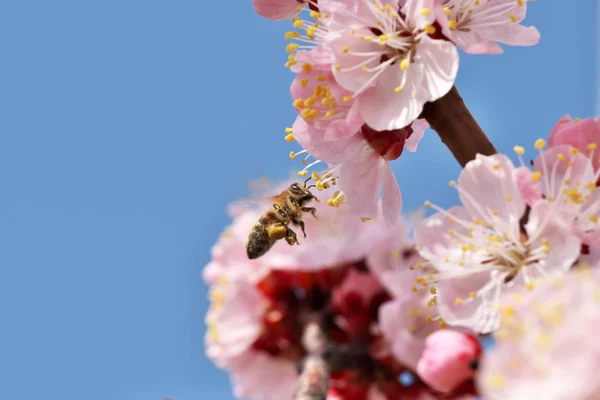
(445, 363)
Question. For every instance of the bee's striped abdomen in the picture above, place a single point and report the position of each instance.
(258, 241)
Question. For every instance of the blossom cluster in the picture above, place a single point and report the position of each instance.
(350, 277)
(382, 308)
(364, 71)
(403, 306)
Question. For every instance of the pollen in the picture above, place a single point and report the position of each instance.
(309, 102)
(398, 89)
(519, 150)
(298, 103)
(303, 82)
(535, 176)
(338, 67)
(574, 150)
(365, 68)
(291, 47)
(292, 155)
(302, 173)
(315, 15)
(561, 157)
(289, 137)
(458, 301)
(513, 17)
(429, 29)
(473, 295)
(404, 64)
(540, 143)
(592, 146)
(291, 35)
(306, 67)
(520, 3)
(508, 197)
(452, 24)
(347, 98)
(289, 130)
(424, 11)
(329, 114)
(427, 203)
(447, 11)
(298, 23)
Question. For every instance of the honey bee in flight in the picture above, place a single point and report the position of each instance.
(288, 206)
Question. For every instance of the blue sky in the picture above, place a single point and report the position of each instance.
(125, 129)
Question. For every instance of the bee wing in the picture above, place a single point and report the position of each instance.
(262, 194)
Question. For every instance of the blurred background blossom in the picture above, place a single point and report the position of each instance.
(126, 130)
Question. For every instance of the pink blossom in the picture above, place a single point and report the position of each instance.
(444, 364)
(405, 323)
(277, 9)
(386, 57)
(361, 162)
(234, 319)
(476, 26)
(547, 347)
(583, 134)
(323, 103)
(479, 251)
(568, 183)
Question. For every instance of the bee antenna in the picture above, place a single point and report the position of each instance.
(311, 186)
(306, 181)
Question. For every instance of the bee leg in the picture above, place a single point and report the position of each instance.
(291, 238)
(311, 210)
(301, 224)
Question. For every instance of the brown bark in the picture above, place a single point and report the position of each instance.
(313, 382)
(453, 122)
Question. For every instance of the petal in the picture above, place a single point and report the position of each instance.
(512, 34)
(546, 223)
(361, 182)
(348, 126)
(556, 173)
(587, 222)
(483, 47)
(439, 61)
(312, 140)
(407, 348)
(478, 314)
(488, 191)
(530, 190)
(391, 198)
(431, 235)
(383, 108)
(419, 127)
(348, 75)
(262, 376)
(276, 10)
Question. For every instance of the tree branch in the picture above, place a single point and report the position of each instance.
(453, 122)
(313, 382)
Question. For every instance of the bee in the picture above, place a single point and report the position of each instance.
(288, 206)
